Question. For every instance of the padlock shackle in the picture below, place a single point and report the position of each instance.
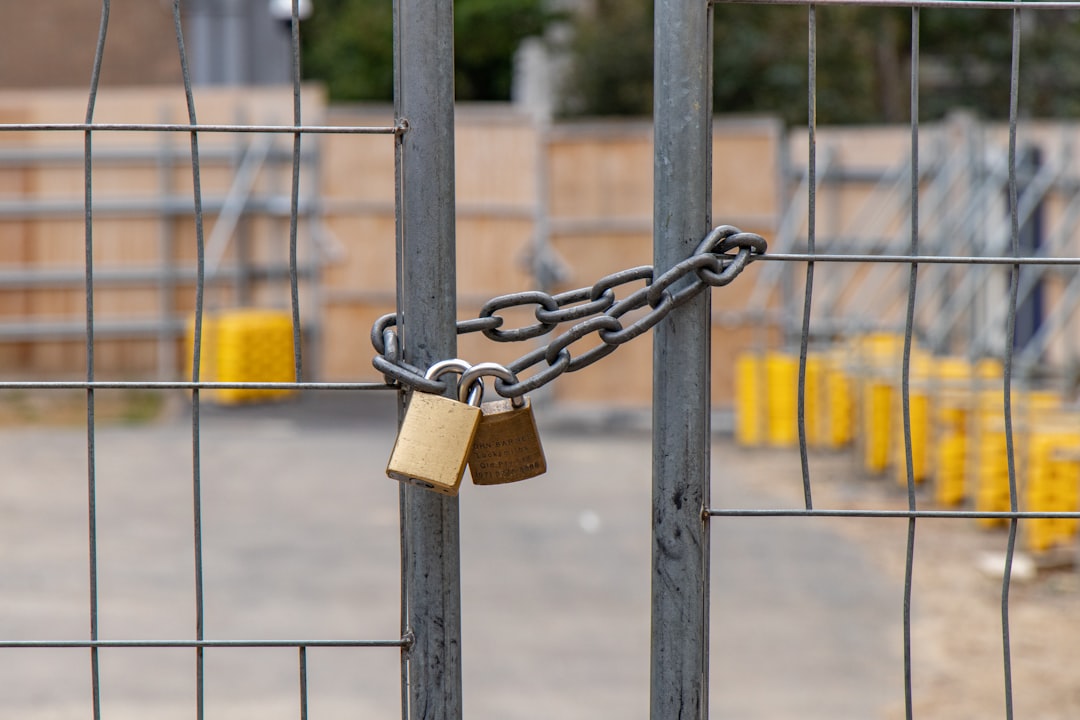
(471, 394)
(454, 365)
(479, 370)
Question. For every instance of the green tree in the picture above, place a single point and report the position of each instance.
(611, 60)
(863, 62)
(486, 36)
(348, 44)
(973, 52)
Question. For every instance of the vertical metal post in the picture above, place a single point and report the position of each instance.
(681, 217)
(424, 103)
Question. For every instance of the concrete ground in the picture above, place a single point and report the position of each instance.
(300, 533)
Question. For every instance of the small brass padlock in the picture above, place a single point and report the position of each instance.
(507, 445)
(436, 435)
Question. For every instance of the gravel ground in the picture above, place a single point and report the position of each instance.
(300, 541)
(957, 649)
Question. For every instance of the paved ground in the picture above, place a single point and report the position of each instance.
(300, 540)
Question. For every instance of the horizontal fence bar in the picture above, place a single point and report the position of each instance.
(186, 385)
(899, 514)
(206, 128)
(149, 275)
(955, 4)
(116, 329)
(54, 644)
(128, 328)
(276, 205)
(151, 155)
(920, 259)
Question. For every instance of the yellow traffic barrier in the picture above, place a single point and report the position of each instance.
(919, 412)
(244, 345)
(1051, 480)
(992, 461)
(919, 391)
(988, 469)
(839, 405)
(1040, 493)
(988, 369)
(1031, 446)
(950, 385)
(814, 400)
(750, 403)
(766, 401)
(1036, 404)
(878, 366)
(951, 456)
(877, 423)
(1065, 466)
(991, 454)
(782, 379)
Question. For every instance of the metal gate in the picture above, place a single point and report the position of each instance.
(426, 319)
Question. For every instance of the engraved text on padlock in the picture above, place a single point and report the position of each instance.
(507, 445)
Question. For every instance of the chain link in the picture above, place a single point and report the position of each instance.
(594, 309)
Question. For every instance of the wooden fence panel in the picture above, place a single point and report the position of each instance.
(591, 182)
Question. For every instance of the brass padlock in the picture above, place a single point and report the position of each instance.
(436, 435)
(507, 445)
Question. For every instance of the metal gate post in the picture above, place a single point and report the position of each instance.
(681, 217)
(427, 311)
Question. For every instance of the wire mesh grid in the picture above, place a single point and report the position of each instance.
(196, 385)
(1020, 263)
(810, 259)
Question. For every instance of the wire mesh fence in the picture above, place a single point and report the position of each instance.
(198, 642)
(430, 631)
(919, 261)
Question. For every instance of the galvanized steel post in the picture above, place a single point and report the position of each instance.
(426, 282)
(682, 114)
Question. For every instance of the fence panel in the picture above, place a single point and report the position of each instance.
(924, 276)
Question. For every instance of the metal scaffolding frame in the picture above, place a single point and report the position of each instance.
(242, 203)
(960, 190)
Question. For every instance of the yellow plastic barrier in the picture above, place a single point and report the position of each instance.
(814, 400)
(749, 400)
(877, 423)
(919, 413)
(988, 369)
(839, 405)
(991, 463)
(951, 457)
(1033, 440)
(878, 359)
(1051, 481)
(782, 379)
(950, 385)
(919, 410)
(988, 464)
(766, 401)
(1065, 465)
(246, 345)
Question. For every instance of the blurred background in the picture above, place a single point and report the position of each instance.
(554, 191)
(553, 177)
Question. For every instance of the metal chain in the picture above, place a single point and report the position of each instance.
(596, 308)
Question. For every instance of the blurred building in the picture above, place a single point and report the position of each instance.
(51, 44)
